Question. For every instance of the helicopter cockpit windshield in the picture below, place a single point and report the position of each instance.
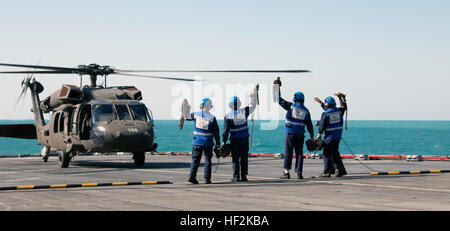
(103, 112)
(122, 112)
(140, 113)
(109, 112)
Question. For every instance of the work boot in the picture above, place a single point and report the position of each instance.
(208, 181)
(325, 175)
(192, 180)
(234, 180)
(285, 176)
(244, 178)
(299, 175)
(340, 173)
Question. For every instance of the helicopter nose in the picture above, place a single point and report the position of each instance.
(121, 138)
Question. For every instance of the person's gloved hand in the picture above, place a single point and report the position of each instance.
(318, 100)
(340, 95)
(277, 81)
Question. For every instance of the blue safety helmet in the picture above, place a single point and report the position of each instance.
(206, 104)
(234, 103)
(330, 100)
(298, 96)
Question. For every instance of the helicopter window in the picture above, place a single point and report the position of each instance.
(72, 119)
(139, 112)
(56, 123)
(84, 122)
(122, 111)
(103, 112)
(61, 122)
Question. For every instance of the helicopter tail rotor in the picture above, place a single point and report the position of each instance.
(25, 85)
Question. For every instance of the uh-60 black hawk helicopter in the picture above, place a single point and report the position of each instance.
(92, 118)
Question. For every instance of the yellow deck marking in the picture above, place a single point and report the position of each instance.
(393, 173)
(25, 187)
(119, 183)
(149, 182)
(89, 185)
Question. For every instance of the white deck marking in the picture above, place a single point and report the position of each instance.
(22, 179)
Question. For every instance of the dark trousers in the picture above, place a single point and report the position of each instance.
(197, 152)
(332, 158)
(293, 141)
(239, 153)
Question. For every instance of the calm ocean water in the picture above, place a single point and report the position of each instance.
(364, 137)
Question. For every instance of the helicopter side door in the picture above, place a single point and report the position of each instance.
(81, 122)
(73, 131)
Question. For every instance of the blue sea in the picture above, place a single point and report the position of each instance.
(363, 137)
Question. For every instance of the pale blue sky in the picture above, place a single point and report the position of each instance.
(392, 58)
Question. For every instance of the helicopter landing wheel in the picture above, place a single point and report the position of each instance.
(64, 159)
(139, 158)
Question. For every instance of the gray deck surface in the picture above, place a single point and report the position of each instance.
(264, 191)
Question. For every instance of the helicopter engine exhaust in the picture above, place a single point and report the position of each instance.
(68, 94)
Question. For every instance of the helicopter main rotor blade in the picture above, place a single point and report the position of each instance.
(40, 67)
(35, 72)
(156, 77)
(223, 71)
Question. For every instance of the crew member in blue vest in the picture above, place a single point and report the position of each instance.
(331, 123)
(297, 117)
(206, 130)
(236, 127)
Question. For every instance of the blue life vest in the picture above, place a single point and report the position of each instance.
(333, 124)
(295, 119)
(203, 135)
(239, 126)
